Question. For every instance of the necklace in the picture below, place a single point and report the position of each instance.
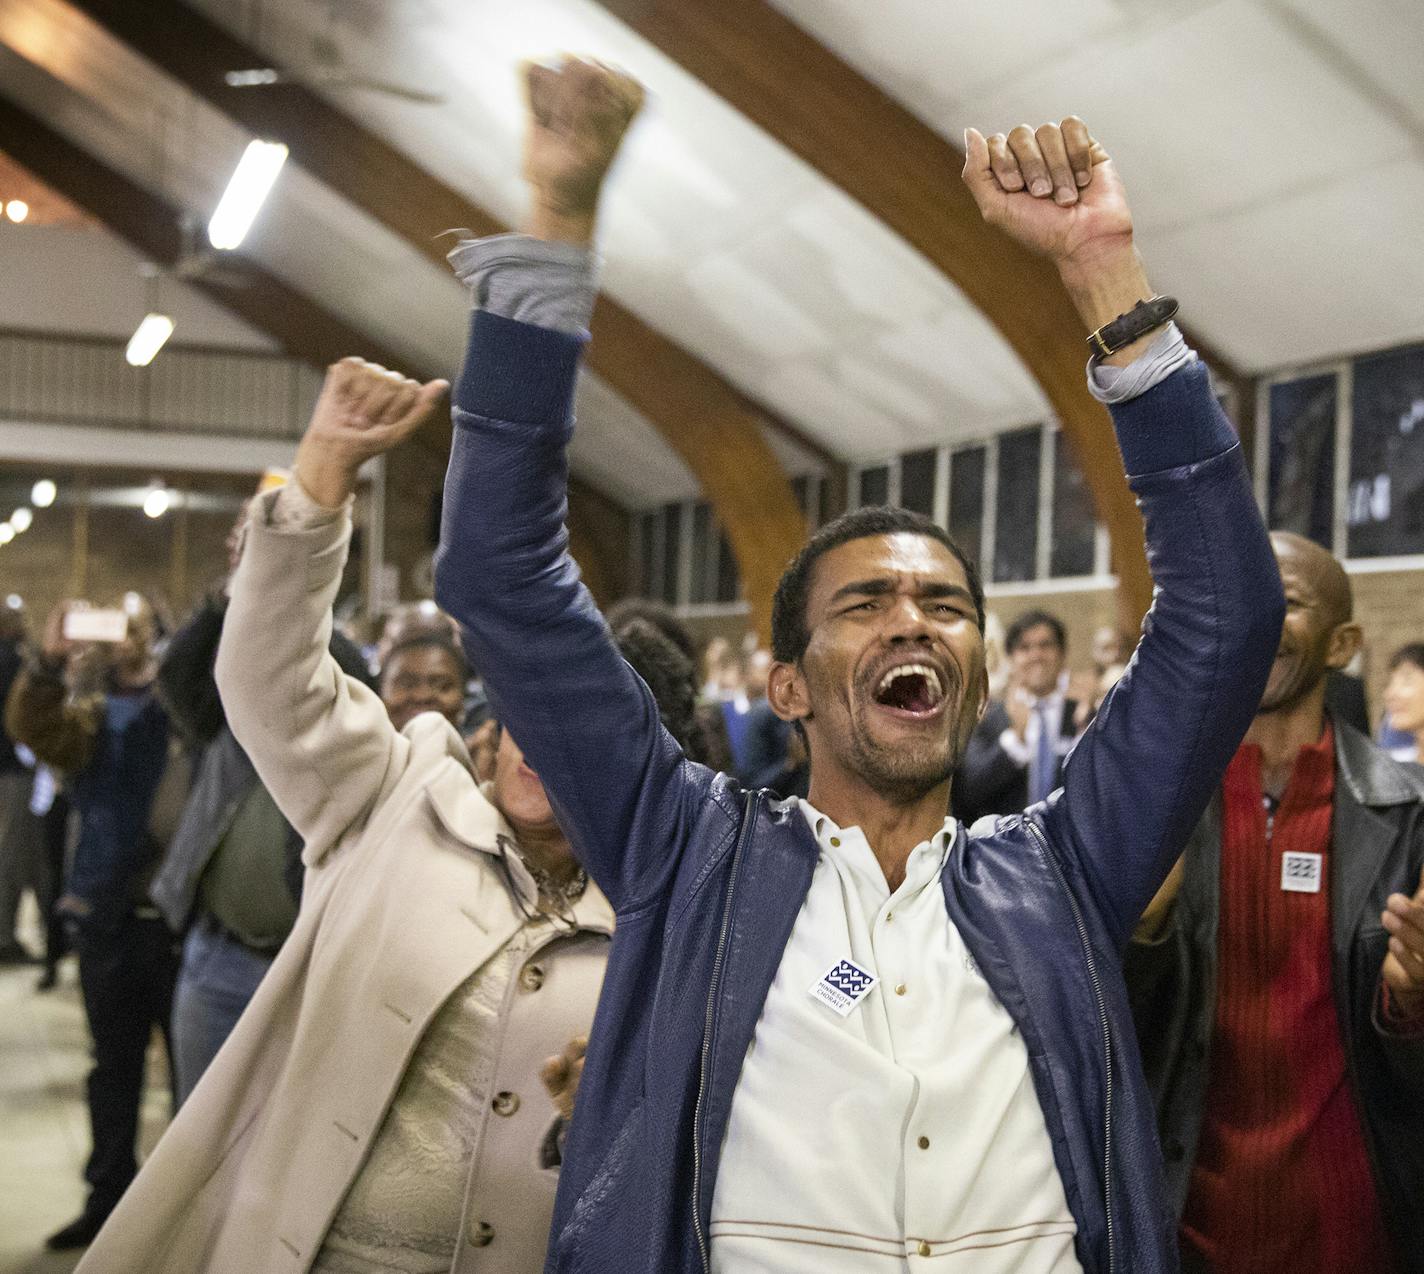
(558, 896)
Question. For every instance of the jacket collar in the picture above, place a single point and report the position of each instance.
(1371, 774)
(465, 810)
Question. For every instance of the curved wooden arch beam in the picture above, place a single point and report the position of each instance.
(712, 427)
(903, 172)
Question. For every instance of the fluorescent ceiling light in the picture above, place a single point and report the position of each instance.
(250, 184)
(148, 339)
(17, 210)
(21, 518)
(156, 502)
(42, 493)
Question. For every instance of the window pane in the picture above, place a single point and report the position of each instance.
(672, 544)
(875, 486)
(1300, 491)
(1074, 529)
(966, 500)
(729, 584)
(1016, 522)
(701, 553)
(1386, 512)
(647, 586)
(917, 481)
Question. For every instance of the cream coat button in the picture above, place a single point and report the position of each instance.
(924, 1248)
(531, 977)
(901, 989)
(506, 1103)
(482, 1235)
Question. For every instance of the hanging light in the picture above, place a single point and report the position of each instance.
(158, 501)
(42, 494)
(247, 189)
(7, 532)
(21, 518)
(17, 210)
(148, 339)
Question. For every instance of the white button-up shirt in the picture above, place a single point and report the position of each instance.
(904, 1135)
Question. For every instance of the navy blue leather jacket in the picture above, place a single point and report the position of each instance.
(707, 879)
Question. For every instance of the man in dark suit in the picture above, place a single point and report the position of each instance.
(1015, 756)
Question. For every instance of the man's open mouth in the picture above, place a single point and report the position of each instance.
(914, 690)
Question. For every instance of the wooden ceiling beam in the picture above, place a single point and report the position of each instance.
(713, 427)
(907, 175)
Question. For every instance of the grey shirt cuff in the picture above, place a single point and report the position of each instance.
(1165, 355)
(530, 280)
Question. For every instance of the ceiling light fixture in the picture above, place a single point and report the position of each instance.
(17, 210)
(7, 532)
(42, 493)
(249, 186)
(148, 339)
(156, 503)
(21, 518)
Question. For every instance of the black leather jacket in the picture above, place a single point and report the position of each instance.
(1378, 849)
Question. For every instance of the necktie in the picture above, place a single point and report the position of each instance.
(1045, 758)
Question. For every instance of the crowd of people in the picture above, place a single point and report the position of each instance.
(535, 934)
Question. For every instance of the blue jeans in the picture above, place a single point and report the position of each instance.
(218, 977)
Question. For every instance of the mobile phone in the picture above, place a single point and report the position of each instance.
(96, 625)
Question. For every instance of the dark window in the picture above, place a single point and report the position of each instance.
(875, 486)
(1300, 489)
(966, 500)
(672, 544)
(1016, 519)
(729, 583)
(1386, 509)
(647, 554)
(1074, 528)
(917, 482)
(703, 564)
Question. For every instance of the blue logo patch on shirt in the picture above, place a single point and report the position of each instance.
(844, 985)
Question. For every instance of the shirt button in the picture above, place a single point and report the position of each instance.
(505, 1103)
(531, 977)
(901, 989)
(923, 1249)
(835, 842)
(482, 1235)
(923, 1143)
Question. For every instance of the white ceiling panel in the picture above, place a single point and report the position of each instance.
(1330, 272)
(84, 281)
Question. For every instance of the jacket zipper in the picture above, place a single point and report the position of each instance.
(1107, 1038)
(712, 989)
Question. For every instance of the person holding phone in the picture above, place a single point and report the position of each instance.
(91, 713)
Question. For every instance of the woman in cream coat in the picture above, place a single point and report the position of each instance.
(378, 1106)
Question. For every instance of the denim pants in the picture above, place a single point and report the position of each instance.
(218, 977)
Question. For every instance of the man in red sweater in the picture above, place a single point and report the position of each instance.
(1277, 980)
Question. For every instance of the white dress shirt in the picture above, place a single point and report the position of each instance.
(904, 1135)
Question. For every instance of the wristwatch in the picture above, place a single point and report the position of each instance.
(1126, 328)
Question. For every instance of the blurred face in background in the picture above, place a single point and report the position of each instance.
(1404, 697)
(422, 679)
(1037, 660)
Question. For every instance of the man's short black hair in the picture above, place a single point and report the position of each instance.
(789, 633)
(428, 639)
(1036, 619)
(1412, 653)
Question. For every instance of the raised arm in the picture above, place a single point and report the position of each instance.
(320, 740)
(618, 782)
(58, 727)
(1142, 774)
